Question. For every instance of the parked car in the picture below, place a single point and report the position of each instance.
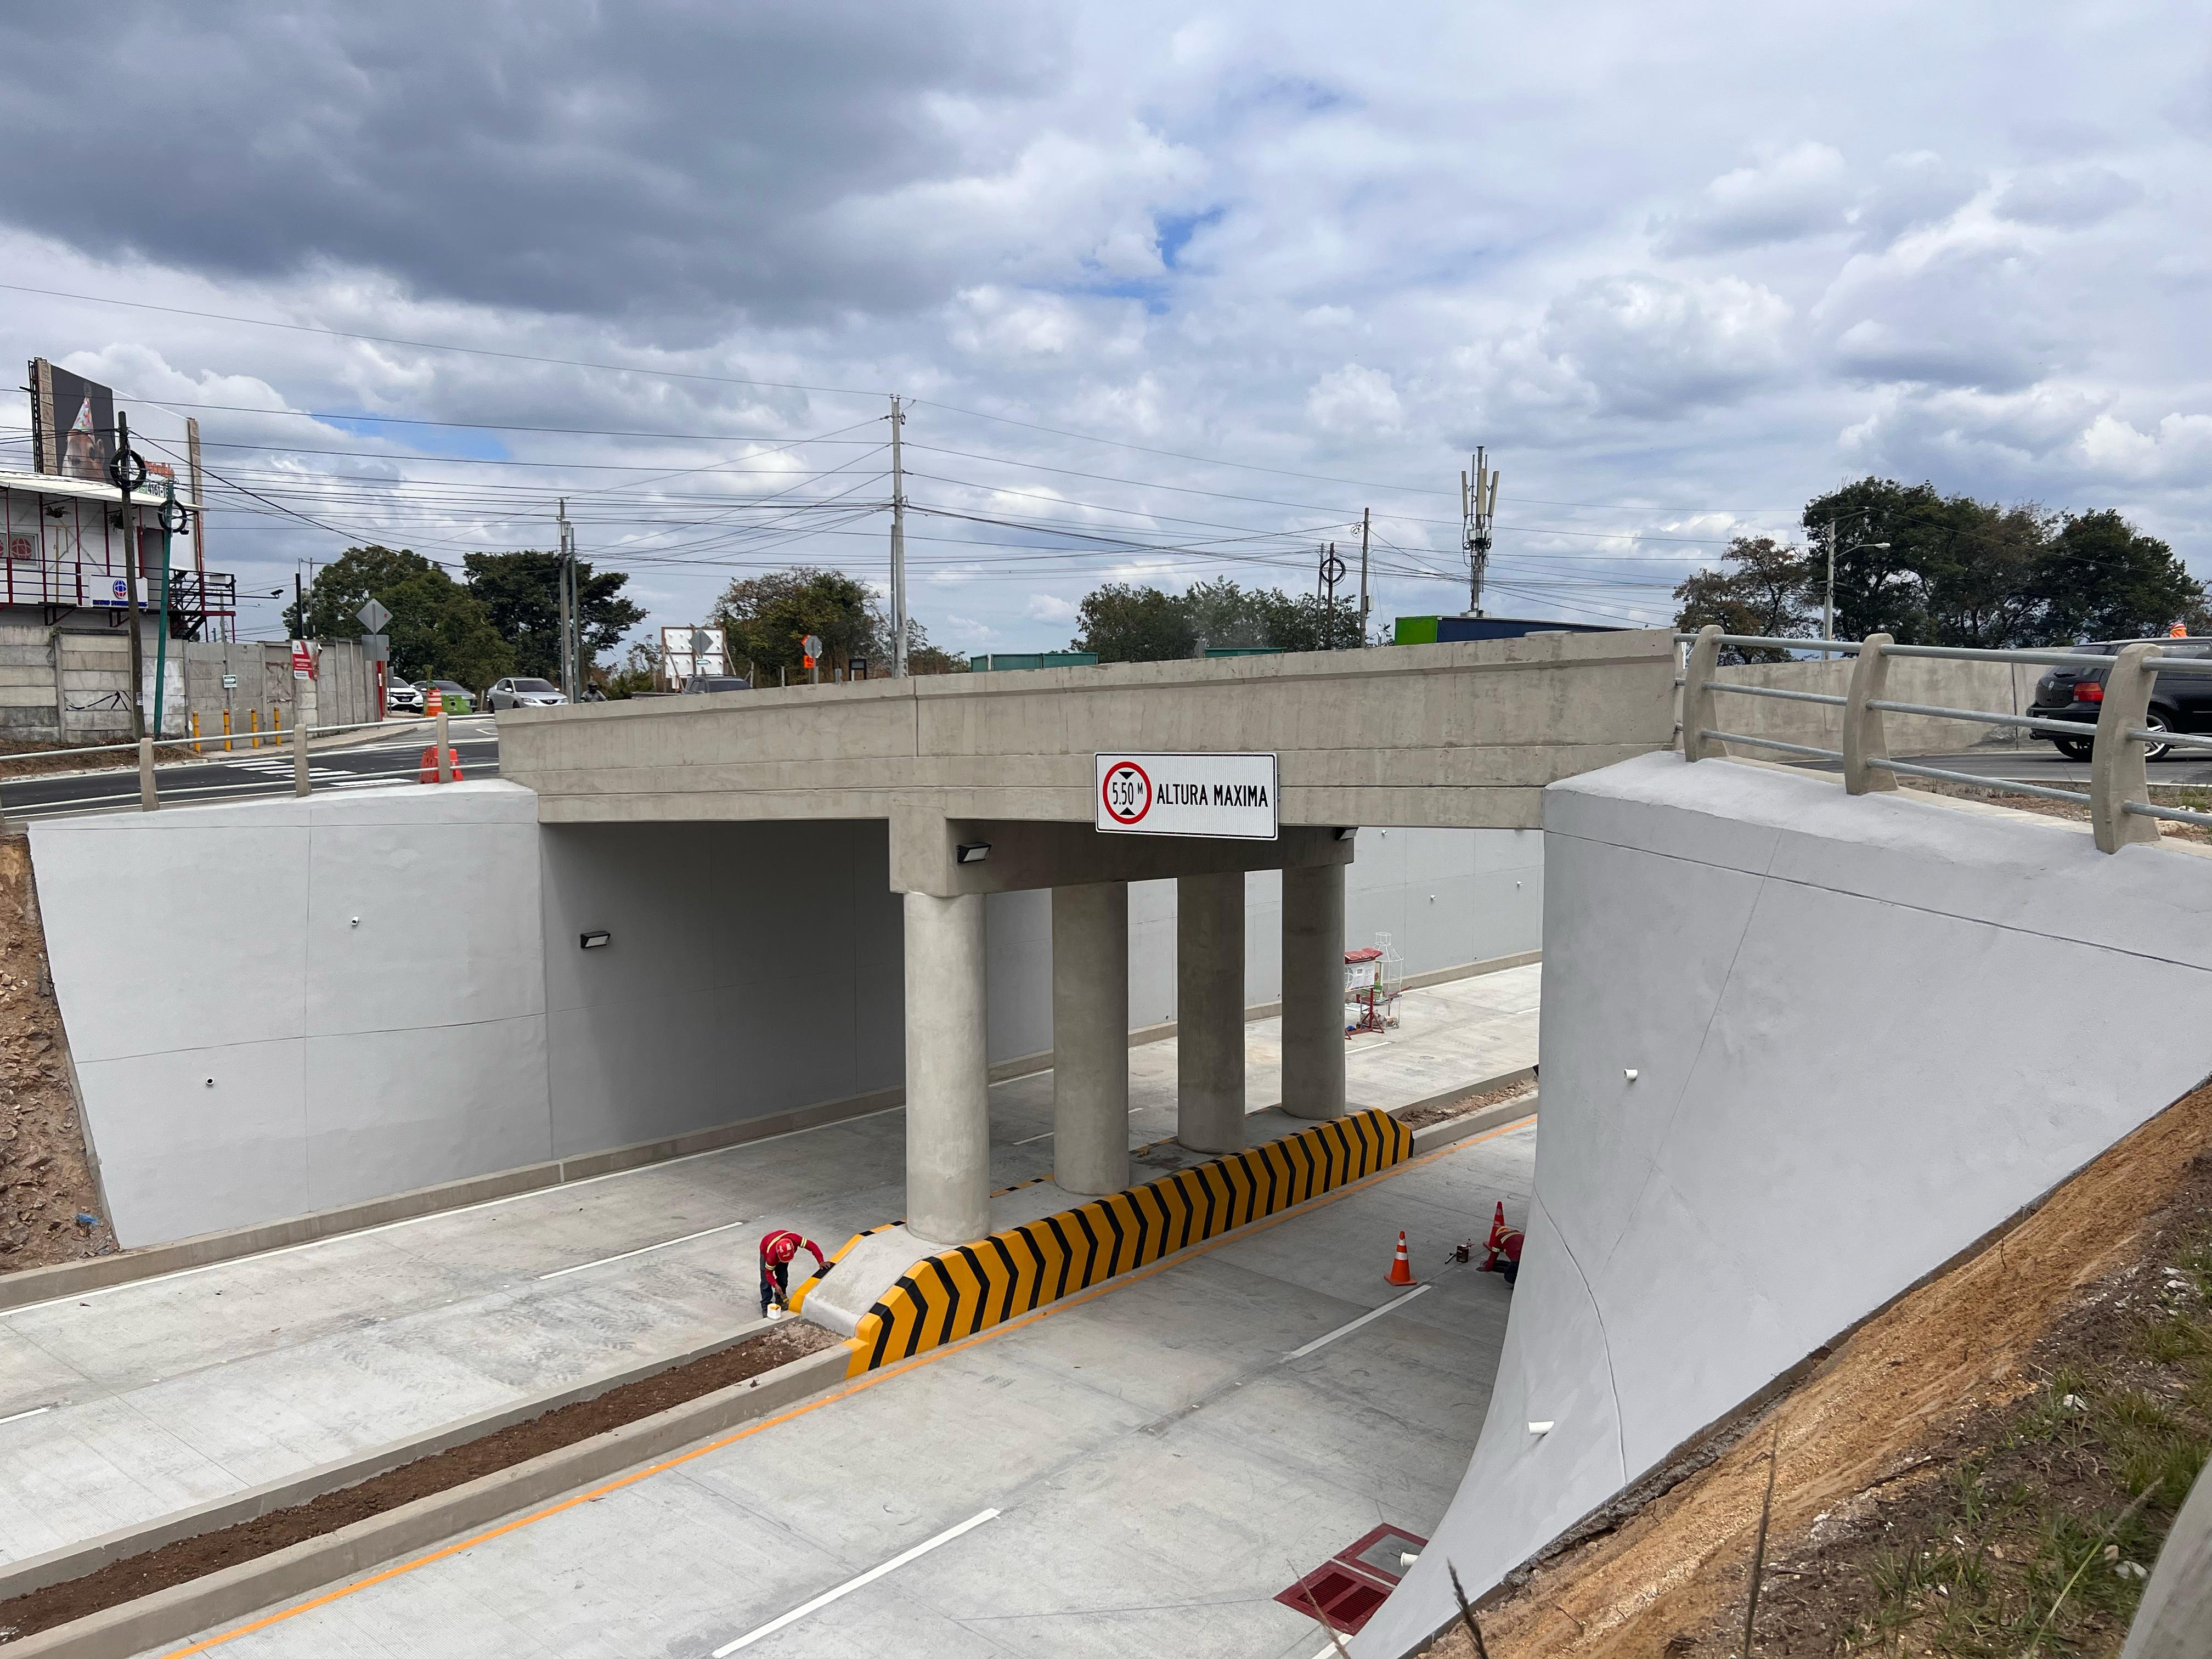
(402, 698)
(519, 692)
(702, 683)
(457, 697)
(2180, 694)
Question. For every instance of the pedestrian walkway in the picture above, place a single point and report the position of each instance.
(122, 1404)
(1136, 1471)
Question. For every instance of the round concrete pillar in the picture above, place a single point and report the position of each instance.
(1313, 991)
(1090, 1036)
(1209, 1012)
(948, 1116)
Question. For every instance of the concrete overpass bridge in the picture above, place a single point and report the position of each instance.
(1458, 736)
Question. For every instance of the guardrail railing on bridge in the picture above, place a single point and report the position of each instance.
(2121, 811)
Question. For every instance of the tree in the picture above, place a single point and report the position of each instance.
(438, 630)
(1145, 624)
(2101, 579)
(1767, 593)
(1134, 624)
(640, 672)
(521, 594)
(765, 618)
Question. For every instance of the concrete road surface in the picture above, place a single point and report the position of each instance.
(245, 772)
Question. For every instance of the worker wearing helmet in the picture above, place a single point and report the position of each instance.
(776, 1251)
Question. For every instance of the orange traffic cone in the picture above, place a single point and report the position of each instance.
(1402, 1269)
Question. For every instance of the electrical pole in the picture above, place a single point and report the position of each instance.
(1365, 514)
(568, 646)
(898, 547)
(1829, 604)
(1479, 505)
(121, 471)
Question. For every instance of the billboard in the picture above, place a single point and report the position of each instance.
(678, 663)
(72, 423)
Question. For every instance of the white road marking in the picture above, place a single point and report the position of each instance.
(648, 1249)
(850, 1585)
(19, 1416)
(1346, 1330)
(1047, 1135)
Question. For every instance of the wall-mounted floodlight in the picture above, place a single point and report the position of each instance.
(595, 941)
(971, 852)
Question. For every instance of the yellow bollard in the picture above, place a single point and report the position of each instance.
(253, 725)
(226, 731)
(196, 731)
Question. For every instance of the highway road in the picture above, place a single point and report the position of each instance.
(245, 774)
(2045, 765)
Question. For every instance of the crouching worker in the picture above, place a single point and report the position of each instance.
(1504, 1256)
(776, 1251)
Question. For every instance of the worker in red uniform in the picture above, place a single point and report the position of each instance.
(1504, 1257)
(776, 1251)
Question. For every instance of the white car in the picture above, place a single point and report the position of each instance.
(401, 698)
(523, 694)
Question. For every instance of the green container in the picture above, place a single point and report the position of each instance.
(1417, 630)
(991, 662)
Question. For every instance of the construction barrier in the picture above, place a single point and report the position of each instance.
(959, 1291)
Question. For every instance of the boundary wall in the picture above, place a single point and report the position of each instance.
(283, 1008)
(1801, 1049)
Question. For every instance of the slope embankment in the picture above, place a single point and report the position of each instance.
(1801, 1050)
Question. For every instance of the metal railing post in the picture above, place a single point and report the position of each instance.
(1864, 739)
(445, 754)
(2118, 771)
(1697, 697)
(300, 784)
(149, 799)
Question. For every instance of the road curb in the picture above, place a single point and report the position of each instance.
(1428, 1138)
(236, 1592)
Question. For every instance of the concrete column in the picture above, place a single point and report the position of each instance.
(948, 1118)
(1313, 991)
(1090, 1036)
(1209, 1012)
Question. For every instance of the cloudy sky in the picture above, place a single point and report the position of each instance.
(1176, 292)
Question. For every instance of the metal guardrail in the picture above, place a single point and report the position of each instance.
(2121, 811)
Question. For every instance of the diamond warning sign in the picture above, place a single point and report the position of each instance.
(1224, 797)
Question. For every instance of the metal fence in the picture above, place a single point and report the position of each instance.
(2121, 810)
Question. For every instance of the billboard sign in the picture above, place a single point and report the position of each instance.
(72, 423)
(1220, 797)
(686, 651)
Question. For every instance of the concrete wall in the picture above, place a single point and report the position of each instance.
(1848, 1070)
(461, 1029)
(1998, 687)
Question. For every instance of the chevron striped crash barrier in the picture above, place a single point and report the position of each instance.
(959, 1291)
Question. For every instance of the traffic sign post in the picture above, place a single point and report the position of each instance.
(810, 650)
(1220, 797)
(373, 616)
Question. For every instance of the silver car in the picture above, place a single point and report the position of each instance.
(523, 694)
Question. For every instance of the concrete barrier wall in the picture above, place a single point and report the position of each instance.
(1864, 1032)
(388, 989)
(1999, 688)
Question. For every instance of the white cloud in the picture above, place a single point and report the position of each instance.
(1049, 607)
(1651, 347)
(1355, 399)
(1803, 191)
(2067, 197)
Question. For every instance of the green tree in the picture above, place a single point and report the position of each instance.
(765, 618)
(1134, 624)
(1767, 592)
(2102, 579)
(1124, 623)
(521, 594)
(438, 630)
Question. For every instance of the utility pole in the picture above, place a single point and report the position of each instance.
(567, 649)
(1365, 514)
(1332, 573)
(1478, 506)
(898, 547)
(1829, 604)
(120, 471)
(199, 497)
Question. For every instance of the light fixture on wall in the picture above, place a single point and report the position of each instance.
(971, 852)
(592, 941)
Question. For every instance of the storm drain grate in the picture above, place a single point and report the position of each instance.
(1344, 1591)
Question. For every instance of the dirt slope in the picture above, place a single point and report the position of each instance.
(1880, 1416)
(46, 1182)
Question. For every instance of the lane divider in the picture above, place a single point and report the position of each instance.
(957, 1292)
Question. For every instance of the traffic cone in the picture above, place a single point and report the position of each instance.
(1401, 1269)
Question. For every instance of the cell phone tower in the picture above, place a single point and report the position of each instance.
(1478, 500)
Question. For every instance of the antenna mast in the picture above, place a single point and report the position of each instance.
(1478, 508)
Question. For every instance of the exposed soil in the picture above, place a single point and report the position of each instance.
(13, 766)
(45, 1179)
(1421, 1116)
(1986, 1433)
(2195, 799)
(195, 1557)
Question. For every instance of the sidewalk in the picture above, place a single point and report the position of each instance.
(152, 1396)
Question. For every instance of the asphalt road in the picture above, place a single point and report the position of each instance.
(246, 773)
(2045, 765)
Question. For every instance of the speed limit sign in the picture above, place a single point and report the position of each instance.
(1230, 797)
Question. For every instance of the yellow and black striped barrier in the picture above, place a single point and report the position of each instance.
(959, 1291)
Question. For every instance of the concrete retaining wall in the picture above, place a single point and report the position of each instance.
(387, 989)
(1999, 688)
(1847, 1069)
(90, 651)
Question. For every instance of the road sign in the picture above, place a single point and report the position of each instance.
(1220, 797)
(373, 616)
(812, 645)
(377, 647)
(303, 661)
(230, 681)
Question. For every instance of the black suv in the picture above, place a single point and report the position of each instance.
(2181, 695)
